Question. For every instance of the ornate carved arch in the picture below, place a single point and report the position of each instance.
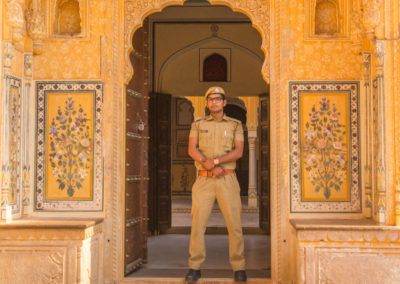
(135, 11)
(261, 16)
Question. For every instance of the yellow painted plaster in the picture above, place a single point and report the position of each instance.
(75, 57)
(330, 59)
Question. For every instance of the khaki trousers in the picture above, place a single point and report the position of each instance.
(226, 190)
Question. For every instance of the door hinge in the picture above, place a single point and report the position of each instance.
(133, 221)
(134, 94)
(133, 178)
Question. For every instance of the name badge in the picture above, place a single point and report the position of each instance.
(203, 130)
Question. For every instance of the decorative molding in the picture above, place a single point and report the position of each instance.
(278, 165)
(28, 66)
(15, 16)
(49, 231)
(353, 203)
(8, 55)
(350, 237)
(43, 89)
(357, 28)
(396, 90)
(371, 16)
(360, 261)
(10, 186)
(41, 264)
(117, 177)
(27, 111)
(368, 133)
(35, 24)
(380, 161)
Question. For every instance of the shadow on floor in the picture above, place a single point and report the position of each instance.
(168, 254)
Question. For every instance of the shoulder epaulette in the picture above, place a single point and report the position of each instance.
(233, 119)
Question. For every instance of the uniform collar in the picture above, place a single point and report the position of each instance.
(209, 117)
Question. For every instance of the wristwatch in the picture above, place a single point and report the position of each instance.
(216, 161)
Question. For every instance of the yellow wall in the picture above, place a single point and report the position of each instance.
(321, 59)
(74, 57)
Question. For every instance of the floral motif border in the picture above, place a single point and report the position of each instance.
(12, 168)
(297, 205)
(41, 204)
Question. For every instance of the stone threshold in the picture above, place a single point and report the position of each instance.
(182, 281)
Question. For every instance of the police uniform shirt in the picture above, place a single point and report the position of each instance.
(217, 138)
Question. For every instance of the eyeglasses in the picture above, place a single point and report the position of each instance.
(217, 99)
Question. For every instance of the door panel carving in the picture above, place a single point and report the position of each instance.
(136, 148)
(160, 163)
(264, 170)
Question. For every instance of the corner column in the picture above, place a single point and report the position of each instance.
(28, 119)
(8, 55)
(252, 191)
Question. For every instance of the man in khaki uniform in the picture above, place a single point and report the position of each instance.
(215, 143)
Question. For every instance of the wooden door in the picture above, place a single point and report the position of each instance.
(160, 163)
(183, 171)
(264, 168)
(136, 157)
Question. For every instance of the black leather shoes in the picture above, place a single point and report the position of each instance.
(192, 276)
(240, 276)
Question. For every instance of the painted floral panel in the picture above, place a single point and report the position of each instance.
(69, 160)
(14, 139)
(69, 145)
(324, 147)
(324, 144)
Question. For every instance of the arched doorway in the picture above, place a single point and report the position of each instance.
(263, 43)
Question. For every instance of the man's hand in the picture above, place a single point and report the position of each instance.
(218, 171)
(208, 164)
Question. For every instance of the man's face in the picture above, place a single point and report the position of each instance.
(216, 103)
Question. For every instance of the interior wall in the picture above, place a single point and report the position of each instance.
(179, 44)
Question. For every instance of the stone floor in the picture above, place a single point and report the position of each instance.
(168, 253)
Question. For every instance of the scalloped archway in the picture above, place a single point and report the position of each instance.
(263, 15)
(136, 11)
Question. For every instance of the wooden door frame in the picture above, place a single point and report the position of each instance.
(263, 16)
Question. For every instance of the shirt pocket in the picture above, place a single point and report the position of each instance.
(227, 138)
(205, 138)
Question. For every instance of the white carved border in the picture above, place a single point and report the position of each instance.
(353, 205)
(41, 203)
(11, 148)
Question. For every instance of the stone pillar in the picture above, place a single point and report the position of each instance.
(8, 54)
(252, 193)
(381, 199)
(396, 90)
(368, 133)
(26, 133)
